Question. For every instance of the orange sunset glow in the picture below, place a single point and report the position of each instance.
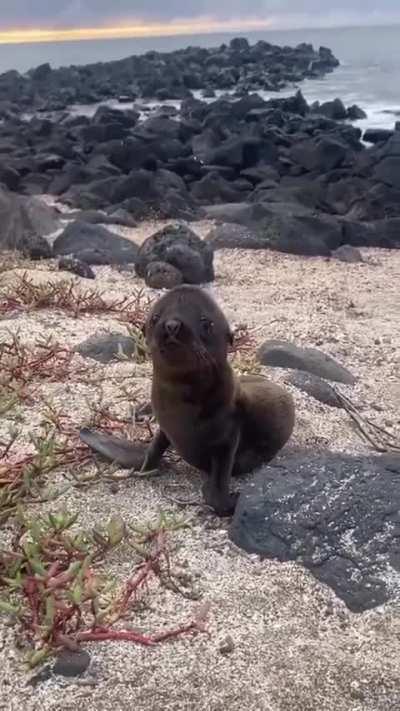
(131, 30)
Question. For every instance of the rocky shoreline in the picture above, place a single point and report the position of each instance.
(278, 174)
(168, 75)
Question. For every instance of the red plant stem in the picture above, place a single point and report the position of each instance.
(162, 636)
(103, 634)
(133, 585)
(60, 581)
(65, 614)
(114, 636)
(150, 566)
(33, 599)
(53, 570)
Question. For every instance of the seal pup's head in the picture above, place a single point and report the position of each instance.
(187, 332)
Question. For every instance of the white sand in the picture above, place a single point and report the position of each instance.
(296, 646)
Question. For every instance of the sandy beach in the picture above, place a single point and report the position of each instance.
(292, 644)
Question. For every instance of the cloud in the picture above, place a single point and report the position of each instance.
(60, 13)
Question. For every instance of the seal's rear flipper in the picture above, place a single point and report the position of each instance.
(129, 455)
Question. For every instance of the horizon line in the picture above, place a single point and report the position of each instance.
(130, 31)
(154, 30)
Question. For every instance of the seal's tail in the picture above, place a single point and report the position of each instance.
(129, 455)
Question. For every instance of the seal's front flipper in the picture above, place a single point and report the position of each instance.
(216, 490)
(129, 455)
(158, 445)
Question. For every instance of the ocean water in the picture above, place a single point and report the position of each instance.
(369, 74)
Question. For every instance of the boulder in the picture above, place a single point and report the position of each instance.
(183, 249)
(322, 155)
(71, 175)
(388, 171)
(295, 104)
(260, 174)
(41, 73)
(129, 154)
(103, 132)
(95, 195)
(49, 161)
(340, 195)
(283, 227)
(355, 113)
(213, 188)
(161, 275)
(242, 213)
(308, 235)
(107, 115)
(333, 513)
(165, 150)
(283, 354)
(243, 106)
(106, 347)
(75, 266)
(349, 254)
(172, 206)
(23, 218)
(95, 217)
(35, 247)
(145, 185)
(99, 165)
(377, 135)
(192, 108)
(94, 244)
(378, 233)
(315, 387)
(229, 235)
(334, 110)
(9, 177)
(160, 126)
(119, 216)
(242, 152)
(392, 146)
(188, 167)
(71, 664)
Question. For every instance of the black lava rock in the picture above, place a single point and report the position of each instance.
(71, 664)
(349, 254)
(75, 266)
(164, 76)
(282, 354)
(336, 514)
(161, 275)
(24, 221)
(107, 347)
(232, 236)
(35, 247)
(377, 135)
(315, 387)
(183, 249)
(94, 244)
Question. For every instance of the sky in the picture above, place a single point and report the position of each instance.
(35, 18)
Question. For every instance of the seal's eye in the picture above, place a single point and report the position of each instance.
(154, 319)
(207, 325)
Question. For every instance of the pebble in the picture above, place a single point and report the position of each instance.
(71, 664)
(356, 692)
(227, 645)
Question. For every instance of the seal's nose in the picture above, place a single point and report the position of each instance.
(172, 327)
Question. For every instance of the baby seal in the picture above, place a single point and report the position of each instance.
(219, 423)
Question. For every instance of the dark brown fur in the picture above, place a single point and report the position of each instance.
(220, 424)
